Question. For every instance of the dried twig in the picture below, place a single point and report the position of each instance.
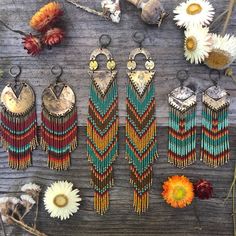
(2, 225)
(230, 10)
(234, 219)
(217, 20)
(15, 31)
(36, 212)
(27, 227)
(232, 185)
(87, 9)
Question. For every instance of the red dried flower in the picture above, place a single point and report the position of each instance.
(203, 189)
(32, 44)
(53, 36)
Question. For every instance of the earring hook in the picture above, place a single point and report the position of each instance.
(104, 40)
(57, 71)
(15, 72)
(138, 37)
(182, 76)
(215, 80)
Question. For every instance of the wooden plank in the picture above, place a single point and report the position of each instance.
(215, 217)
(83, 31)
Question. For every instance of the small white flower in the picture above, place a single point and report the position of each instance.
(198, 44)
(14, 200)
(30, 187)
(4, 200)
(61, 201)
(28, 199)
(113, 7)
(194, 13)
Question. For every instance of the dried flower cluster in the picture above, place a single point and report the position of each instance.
(217, 52)
(179, 191)
(44, 21)
(14, 209)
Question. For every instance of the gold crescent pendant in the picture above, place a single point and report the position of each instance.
(18, 104)
(58, 103)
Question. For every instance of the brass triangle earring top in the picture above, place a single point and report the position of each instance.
(18, 121)
(59, 128)
(141, 128)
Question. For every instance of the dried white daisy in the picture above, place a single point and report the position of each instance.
(30, 186)
(198, 44)
(193, 13)
(27, 200)
(223, 53)
(61, 201)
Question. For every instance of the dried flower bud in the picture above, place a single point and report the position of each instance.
(32, 189)
(32, 44)
(53, 36)
(27, 200)
(203, 189)
(112, 9)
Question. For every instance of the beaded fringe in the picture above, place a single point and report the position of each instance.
(141, 143)
(102, 143)
(215, 136)
(19, 137)
(59, 138)
(182, 137)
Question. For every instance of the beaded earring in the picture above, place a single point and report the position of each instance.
(182, 124)
(102, 125)
(18, 121)
(141, 128)
(215, 130)
(59, 128)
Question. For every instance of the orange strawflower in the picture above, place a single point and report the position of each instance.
(46, 16)
(178, 191)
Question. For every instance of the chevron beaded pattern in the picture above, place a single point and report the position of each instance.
(182, 136)
(215, 136)
(102, 141)
(141, 142)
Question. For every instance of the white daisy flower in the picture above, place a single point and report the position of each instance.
(30, 187)
(198, 44)
(223, 53)
(193, 13)
(28, 199)
(61, 201)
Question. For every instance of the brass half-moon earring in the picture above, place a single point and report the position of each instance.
(102, 125)
(141, 127)
(59, 128)
(18, 121)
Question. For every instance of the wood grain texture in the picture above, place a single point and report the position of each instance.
(166, 46)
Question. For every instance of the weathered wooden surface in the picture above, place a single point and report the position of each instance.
(165, 45)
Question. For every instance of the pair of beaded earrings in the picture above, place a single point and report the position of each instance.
(102, 127)
(19, 122)
(182, 124)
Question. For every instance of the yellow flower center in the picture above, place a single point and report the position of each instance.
(194, 9)
(191, 43)
(60, 200)
(179, 192)
(218, 59)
